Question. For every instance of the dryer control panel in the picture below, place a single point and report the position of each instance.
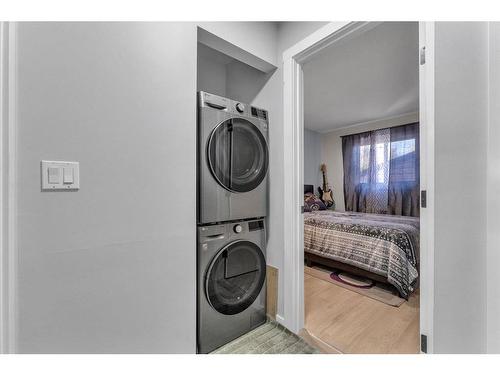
(231, 106)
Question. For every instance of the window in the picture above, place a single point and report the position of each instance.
(400, 153)
(376, 172)
(382, 167)
(403, 157)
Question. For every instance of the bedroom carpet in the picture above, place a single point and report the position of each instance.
(378, 292)
(269, 338)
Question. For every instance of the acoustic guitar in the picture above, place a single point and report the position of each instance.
(325, 193)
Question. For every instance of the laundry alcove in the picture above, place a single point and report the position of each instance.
(226, 70)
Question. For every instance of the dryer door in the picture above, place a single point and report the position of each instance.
(238, 155)
(235, 277)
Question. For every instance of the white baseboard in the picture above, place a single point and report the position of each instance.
(280, 319)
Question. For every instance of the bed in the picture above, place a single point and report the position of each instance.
(384, 248)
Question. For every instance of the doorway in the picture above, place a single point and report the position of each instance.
(295, 58)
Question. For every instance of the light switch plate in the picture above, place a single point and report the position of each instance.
(64, 168)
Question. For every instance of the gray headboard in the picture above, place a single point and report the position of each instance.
(308, 189)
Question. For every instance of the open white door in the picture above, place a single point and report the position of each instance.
(426, 92)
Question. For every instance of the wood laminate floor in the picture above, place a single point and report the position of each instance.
(356, 324)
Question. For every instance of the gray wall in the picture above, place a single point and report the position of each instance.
(493, 194)
(211, 74)
(244, 83)
(312, 158)
(110, 268)
(461, 121)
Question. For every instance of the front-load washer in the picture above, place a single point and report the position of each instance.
(233, 159)
(231, 275)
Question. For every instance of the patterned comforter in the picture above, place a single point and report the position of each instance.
(386, 245)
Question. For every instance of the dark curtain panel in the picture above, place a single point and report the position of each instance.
(404, 171)
(381, 171)
(352, 173)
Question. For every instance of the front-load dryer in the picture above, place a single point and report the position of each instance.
(233, 160)
(231, 274)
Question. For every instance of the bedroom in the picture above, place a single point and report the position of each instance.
(361, 192)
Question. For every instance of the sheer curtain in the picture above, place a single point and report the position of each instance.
(381, 171)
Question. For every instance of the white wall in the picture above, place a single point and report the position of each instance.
(312, 159)
(461, 118)
(493, 193)
(331, 150)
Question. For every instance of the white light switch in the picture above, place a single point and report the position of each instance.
(68, 175)
(60, 175)
(54, 175)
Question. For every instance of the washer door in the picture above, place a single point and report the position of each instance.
(235, 277)
(237, 155)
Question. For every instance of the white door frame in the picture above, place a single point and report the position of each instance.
(8, 199)
(293, 270)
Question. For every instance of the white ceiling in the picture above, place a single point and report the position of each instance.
(371, 77)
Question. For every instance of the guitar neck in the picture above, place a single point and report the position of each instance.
(325, 183)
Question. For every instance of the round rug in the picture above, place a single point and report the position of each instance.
(352, 280)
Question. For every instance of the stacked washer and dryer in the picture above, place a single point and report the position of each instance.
(233, 160)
